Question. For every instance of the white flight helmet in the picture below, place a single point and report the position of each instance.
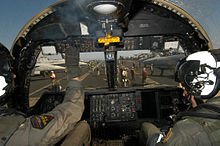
(5, 74)
(199, 73)
(3, 84)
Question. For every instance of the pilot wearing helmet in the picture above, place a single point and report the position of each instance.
(45, 129)
(199, 74)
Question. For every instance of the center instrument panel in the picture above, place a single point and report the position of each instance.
(114, 106)
(106, 106)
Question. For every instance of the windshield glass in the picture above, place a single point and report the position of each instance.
(143, 68)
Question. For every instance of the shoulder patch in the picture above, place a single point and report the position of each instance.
(167, 136)
(40, 121)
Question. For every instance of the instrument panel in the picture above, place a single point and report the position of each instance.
(106, 106)
(114, 107)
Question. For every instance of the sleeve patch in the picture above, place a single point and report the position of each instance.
(40, 121)
(167, 136)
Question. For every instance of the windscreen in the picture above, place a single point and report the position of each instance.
(136, 68)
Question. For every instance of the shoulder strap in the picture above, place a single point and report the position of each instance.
(6, 111)
(210, 107)
(203, 115)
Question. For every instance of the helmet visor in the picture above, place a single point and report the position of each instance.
(187, 72)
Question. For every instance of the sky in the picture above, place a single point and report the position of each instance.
(14, 14)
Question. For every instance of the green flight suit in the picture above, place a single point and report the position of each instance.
(196, 131)
(62, 120)
(190, 131)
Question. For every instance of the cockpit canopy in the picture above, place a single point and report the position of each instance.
(139, 24)
(158, 27)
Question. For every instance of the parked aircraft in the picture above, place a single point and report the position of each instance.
(45, 65)
(164, 62)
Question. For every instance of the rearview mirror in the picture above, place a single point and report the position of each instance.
(173, 45)
(49, 50)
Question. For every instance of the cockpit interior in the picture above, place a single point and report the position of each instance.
(114, 108)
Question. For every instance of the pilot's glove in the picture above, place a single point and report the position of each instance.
(154, 139)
